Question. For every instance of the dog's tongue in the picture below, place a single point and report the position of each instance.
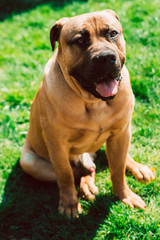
(107, 89)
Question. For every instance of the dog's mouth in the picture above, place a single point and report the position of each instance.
(107, 85)
(104, 87)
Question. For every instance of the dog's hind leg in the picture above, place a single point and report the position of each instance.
(139, 171)
(36, 166)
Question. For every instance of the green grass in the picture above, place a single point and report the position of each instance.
(29, 208)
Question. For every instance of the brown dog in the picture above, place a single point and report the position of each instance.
(85, 99)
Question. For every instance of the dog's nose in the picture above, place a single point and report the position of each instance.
(106, 56)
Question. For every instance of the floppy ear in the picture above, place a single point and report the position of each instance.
(56, 30)
(113, 13)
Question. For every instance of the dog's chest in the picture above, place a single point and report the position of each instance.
(92, 129)
(87, 141)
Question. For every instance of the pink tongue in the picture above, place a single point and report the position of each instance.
(107, 89)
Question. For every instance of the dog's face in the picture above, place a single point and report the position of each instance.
(92, 48)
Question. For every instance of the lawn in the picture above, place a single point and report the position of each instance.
(28, 208)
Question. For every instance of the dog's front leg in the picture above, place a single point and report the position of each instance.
(59, 157)
(117, 148)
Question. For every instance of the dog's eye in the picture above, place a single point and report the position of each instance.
(83, 42)
(113, 34)
(80, 41)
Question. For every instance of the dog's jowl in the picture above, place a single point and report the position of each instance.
(84, 101)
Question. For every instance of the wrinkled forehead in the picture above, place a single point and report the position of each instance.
(92, 22)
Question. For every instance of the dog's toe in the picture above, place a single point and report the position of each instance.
(142, 172)
(88, 187)
(128, 197)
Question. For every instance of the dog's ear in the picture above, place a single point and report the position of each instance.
(56, 30)
(113, 13)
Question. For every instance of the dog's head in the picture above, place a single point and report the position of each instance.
(92, 48)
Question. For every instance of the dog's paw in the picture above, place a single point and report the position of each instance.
(69, 205)
(128, 197)
(141, 172)
(88, 187)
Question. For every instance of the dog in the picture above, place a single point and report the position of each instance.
(84, 101)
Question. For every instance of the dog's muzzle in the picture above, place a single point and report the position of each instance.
(107, 86)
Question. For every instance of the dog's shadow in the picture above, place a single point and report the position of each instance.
(29, 210)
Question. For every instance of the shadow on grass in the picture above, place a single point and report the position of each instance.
(29, 210)
(10, 7)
